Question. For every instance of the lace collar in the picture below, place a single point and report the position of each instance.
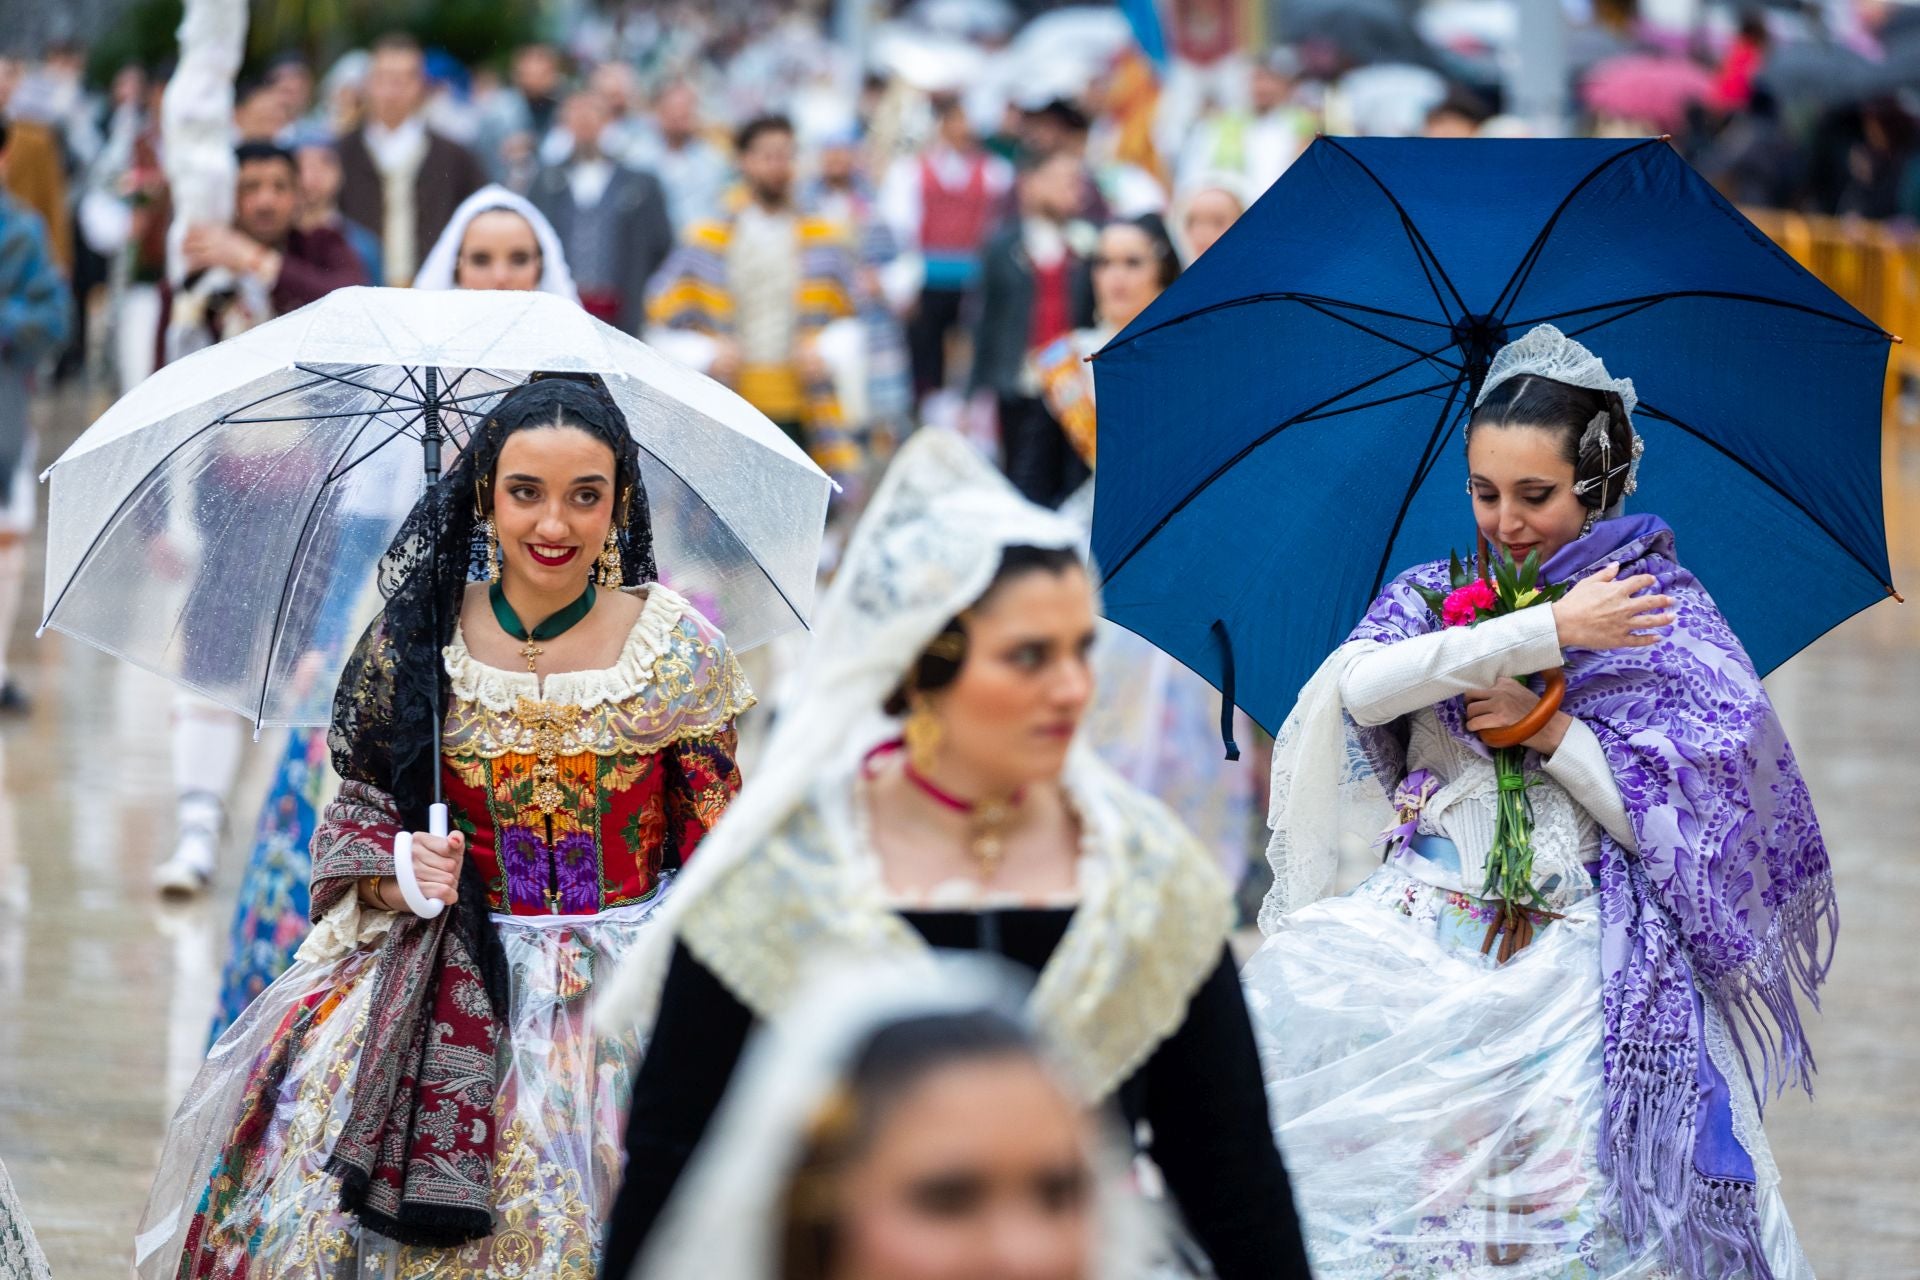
(1153, 918)
(630, 675)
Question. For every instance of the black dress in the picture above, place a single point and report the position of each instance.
(1200, 1094)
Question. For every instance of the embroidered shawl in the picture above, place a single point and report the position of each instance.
(1730, 893)
(1153, 916)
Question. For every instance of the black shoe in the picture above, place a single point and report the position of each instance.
(12, 701)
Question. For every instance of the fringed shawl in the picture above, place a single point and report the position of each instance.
(1730, 893)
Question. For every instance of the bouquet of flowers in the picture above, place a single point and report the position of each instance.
(1499, 588)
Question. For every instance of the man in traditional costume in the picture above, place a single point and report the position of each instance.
(761, 283)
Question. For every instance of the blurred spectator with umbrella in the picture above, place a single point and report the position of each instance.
(400, 177)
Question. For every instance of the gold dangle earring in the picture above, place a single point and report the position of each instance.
(493, 552)
(610, 570)
(485, 518)
(922, 733)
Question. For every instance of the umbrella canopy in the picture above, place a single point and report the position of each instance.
(1363, 30)
(220, 523)
(1821, 72)
(1281, 430)
(1647, 88)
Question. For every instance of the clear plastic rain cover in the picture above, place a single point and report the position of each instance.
(220, 524)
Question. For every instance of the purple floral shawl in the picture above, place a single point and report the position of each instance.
(1730, 893)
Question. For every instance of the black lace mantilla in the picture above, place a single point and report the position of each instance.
(393, 691)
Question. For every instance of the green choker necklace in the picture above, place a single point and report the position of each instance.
(556, 625)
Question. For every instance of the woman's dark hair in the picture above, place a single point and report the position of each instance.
(939, 663)
(1165, 257)
(1567, 411)
(890, 1065)
(440, 548)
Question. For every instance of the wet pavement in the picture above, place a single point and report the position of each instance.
(106, 993)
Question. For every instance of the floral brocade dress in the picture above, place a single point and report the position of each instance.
(579, 794)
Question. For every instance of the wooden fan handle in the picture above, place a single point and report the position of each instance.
(1536, 720)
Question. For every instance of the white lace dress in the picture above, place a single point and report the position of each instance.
(20, 1256)
(1439, 1112)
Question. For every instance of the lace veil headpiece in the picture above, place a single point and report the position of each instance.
(440, 268)
(726, 1221)
(926, 550)
(1545, 352)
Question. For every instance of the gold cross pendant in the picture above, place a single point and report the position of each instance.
(531, 651)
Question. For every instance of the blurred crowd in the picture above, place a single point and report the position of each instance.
(863, 229)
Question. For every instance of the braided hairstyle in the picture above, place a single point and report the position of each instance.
(1601, 459)
(440, 548)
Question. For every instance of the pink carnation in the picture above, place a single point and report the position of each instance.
(1465, 605)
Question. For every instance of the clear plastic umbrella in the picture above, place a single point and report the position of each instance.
(220, 524)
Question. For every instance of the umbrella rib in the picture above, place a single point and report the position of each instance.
(1422, 249)
(1428, 456)
(1311, 414)
(1304, 299)
(1524, 270)
(121, 507)
(1397, 342)
(1654, 412)
(314, 417)
(1722, 294)
(401, 430)
(392, 393)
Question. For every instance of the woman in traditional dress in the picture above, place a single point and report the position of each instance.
(925, 790)
(496, 240)
(905, 1122)
(1203, 212)
(1586, 1105)
(1153, 720)
(427, 1096)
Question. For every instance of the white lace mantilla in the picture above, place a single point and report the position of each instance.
(631, 674)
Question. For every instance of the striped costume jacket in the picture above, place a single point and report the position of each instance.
(691, 293)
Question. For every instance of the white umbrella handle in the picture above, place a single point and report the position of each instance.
(417, 902)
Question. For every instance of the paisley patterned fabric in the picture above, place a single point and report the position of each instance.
(580, 798)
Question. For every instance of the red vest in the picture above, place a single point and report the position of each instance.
(951, 221)
(1052, 313)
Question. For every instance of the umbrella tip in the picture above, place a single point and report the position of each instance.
(1897, 597)
(1896, 339)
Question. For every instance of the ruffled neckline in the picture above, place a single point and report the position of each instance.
(630, 675)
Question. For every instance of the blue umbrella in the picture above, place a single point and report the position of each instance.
(1280, 432)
